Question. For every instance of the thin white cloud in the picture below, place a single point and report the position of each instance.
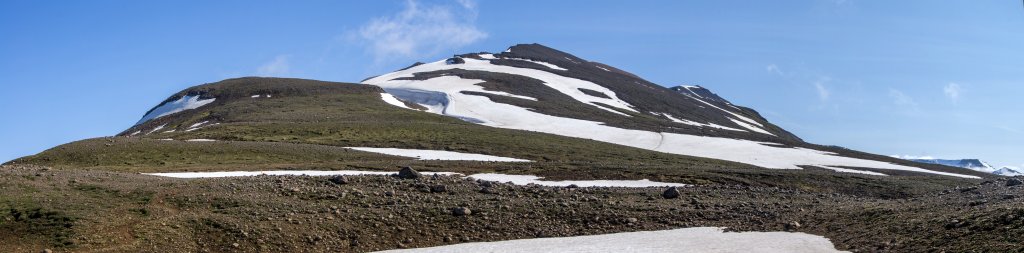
(819, 86)
(774, 69)
(952, 91)
(279, 66)
(901, 99)
(421, 30)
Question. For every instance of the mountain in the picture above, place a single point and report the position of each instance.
(972, 164)
(536, 88)
(529, 102)
(1009, 171)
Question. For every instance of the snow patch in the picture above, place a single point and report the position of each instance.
(422, 154)
(697, 239)
(565, 85)
(198, 124)
(254, 96)
(545, 64)
(749, 126)
(183, 103)
(528, 179)
(156, 129)
(852, 171)
(694, 123)
(200, 140)
(487, 56)
(751, 121)
(391, 99)
(602, 68)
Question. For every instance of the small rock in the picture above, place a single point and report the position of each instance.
(461, 211)
(409, 173)
(1013, 182)
(792, 225)
(572, 186)
(339, 180)
(632, 220)
(47, 251)
(438, 188)
(487, 190)
(670, 193)
(235, 245)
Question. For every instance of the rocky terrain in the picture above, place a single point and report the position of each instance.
(94, 211)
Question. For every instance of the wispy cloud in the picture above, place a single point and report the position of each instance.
(902, 99)
(421, 30)
(952, 91)
(774, 69)
(279, 66)
(819, 86)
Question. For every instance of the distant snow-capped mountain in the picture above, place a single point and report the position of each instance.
(1009, 171)
(972, 164)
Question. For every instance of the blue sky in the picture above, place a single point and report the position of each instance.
(917, 78)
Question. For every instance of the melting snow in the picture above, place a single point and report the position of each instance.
(183, 103)
(157, 129)
(568, 86)
(390, 99)
(694, 123)
(545, 64)
(422, 154)
(528, 179)
(698, 239)
(749, 126)
(198, 124)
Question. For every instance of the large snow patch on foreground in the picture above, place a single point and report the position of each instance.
(448, 99)
(701, 239)
(423, 154)
(183, 103)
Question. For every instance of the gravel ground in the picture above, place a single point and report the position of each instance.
(92, 211)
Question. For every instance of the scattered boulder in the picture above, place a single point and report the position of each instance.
(1013, 182)
(572, 186)
(339, 180)
(409, 173)
(47, 251)
(671, 193)
(461, 211)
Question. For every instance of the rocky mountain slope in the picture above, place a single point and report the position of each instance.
(536, 88)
